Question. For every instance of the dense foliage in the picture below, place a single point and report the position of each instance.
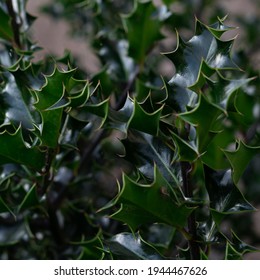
(127, 163)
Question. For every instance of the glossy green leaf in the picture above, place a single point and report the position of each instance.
(225, 197)
(91, 249)
(53, 92)
(214, 157)
(186, 151)
(143, 121)
(143, 29)
(6, 31)
(131, 247)
(236, 248)
(80, 98)
(203, 117)
(13, 149)
(240, 158)
(143, 203)
(188, 59)
(50, 103)
(146, 150)
(16, 103)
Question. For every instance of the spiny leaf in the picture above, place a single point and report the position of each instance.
(225, 197)
(188, 58)
(142, 203)
(91, 249)
(143, 29)
(231, 253)
(143, 121)
(222, 90)
(53, 91)
(13, 149)
(145, 151)
(50, 103)
(240, 158)
(214, 157)
(186, 151)
(130, 247)
(203, 117)
(16, 104)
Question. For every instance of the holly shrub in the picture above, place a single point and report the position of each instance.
(131, 162)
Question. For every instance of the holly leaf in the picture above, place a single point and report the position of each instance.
(189, 56)
(143, 29)
(149, 203)
(50, 102)
(240, 158)
(16, 103)
(91, 249)
(225, 197)
(203, 117)
(21, 154)
(236, 248)
(143, 121)
(131, 247)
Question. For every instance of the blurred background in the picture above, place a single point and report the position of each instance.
(54, 34)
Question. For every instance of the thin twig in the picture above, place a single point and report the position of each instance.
(192, 229)
(15, 25)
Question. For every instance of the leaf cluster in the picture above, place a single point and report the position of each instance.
(124, 163)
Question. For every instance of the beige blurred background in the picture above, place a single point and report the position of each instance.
(53, 35)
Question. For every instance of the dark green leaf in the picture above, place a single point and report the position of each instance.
(225, 197)
(13, 149)
(143, 29)
(143, 121)
(131, 247)
(202, 53)
(142, 204)
(240, 158)
(6, 31)
(91, 249)
(16, 104)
